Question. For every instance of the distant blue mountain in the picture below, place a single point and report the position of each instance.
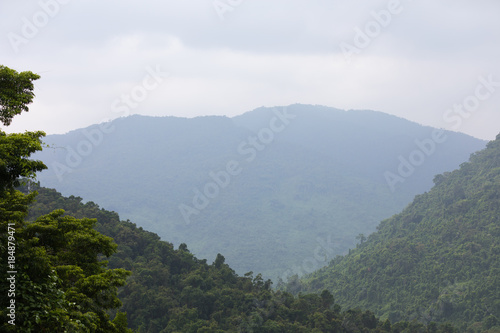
(277, 190)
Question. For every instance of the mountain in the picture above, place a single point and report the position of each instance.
(437, 260)
(170, 290)
(278, 190)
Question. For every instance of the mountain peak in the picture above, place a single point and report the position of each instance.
(247, 186)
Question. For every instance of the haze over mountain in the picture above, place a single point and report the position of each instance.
(438, 260)
(277, 190)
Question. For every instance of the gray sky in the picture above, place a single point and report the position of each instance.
(427, 61)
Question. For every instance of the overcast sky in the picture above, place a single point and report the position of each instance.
(433, 62)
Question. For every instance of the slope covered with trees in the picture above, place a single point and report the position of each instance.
(170, 290)
(298, 173)
(438, 260)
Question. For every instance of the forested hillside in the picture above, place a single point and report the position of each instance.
(262, 187)
(438, 260)
(170, 290)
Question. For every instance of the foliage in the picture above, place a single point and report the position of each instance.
(53, 277)
(61, 282)
(16, 92)
(438, 260)
(15, 150)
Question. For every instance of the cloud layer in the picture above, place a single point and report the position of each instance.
(416, 60)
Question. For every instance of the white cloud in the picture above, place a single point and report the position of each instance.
(263, 53)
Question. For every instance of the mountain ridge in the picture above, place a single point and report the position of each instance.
(298, 173)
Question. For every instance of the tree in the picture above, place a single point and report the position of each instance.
(16, 92)
(15, 150)
(361, 238)
(57, 281)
